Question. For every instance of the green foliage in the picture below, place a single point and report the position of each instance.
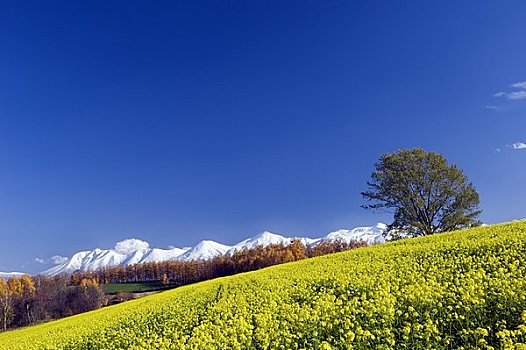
(426, 193)
(458, 290)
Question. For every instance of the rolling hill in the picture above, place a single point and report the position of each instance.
(463, 289)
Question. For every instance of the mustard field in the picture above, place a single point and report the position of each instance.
(458, 290)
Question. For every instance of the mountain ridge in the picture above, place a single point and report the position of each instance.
(8, 275)
(204, 250)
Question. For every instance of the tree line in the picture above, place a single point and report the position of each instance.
(184, 272)
(27, 300)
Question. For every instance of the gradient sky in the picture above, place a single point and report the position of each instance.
(182, 121)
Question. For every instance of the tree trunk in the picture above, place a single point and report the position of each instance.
(5, 316)
(28, 312)
(4, 309)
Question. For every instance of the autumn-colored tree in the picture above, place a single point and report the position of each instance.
(166, 280)
(298, 250)
(15, 286)
(28, 296)
(89, 282)
(9, 292)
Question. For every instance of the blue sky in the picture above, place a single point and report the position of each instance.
(176, 122)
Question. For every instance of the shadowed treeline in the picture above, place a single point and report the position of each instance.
(28, 300)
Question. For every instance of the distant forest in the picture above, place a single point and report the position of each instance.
(28, 300)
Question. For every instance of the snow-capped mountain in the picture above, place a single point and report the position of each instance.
(88, 260)
(158, 255)
(205, 250)
(99, 258)
(369, 234)
(152, 255)
(8, 275)
(264, 239)
(135, 251)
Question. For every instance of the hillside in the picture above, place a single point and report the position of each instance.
(459, 289)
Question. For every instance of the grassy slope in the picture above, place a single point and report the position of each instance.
(133, 287)
(450, 290)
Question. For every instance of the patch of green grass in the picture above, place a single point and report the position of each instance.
(111, 288)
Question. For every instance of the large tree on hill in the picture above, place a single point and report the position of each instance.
(426, 193)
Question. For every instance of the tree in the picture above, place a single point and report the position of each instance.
(9, 292)
(166, 280)
(6, 311)
(427, 194)
(298, 249)
(27, 297)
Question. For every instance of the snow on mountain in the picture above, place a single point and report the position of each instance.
(152, 255)
(71, 265)
(8, 275)
(307, 241)
(205, 250)
(134, 251)
(135, 257)
(264, 239)
(88, 260)
(99, 258)
(157, 255)
(369, 234)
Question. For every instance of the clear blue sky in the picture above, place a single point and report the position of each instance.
(176, 122)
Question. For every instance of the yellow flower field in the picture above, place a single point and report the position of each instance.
(464, 289)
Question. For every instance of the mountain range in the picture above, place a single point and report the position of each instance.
(204, 250)
(8, 275)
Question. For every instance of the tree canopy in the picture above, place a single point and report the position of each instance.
(427, 194)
